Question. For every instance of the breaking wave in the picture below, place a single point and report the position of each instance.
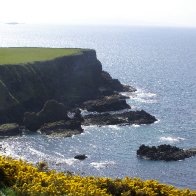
(171, 139)
(141, 96)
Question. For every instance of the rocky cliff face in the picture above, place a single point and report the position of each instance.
(69, 79)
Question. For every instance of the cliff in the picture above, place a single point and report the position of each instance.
(69, 79)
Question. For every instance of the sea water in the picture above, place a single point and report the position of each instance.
(160, 63)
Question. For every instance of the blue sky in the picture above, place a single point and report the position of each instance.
(101, 12)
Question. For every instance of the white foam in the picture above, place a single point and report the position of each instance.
(135, 125)
(171, 139)
(59, 154)
(88, 127)
(141, 96)
(158, 120)
(115, 127)
(69, 161)
(37, 152)
(102, 165)
(144, 100)
(93, 146)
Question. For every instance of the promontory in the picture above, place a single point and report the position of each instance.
(37, 83)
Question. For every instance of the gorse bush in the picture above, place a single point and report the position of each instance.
(26, 179)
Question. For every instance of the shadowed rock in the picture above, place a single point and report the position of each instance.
(51, 112)
(63, 128)
(164, 152)
(131, 117)
(107, 103)
(10, 129)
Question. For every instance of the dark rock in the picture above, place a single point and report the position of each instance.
(131, 117)
(107, 85)
(80, 157)
(31, 121)
(51, 112)
(107, 103)
(140, 117)
(164, 152)
(10, 129)
(77, 115)
(63, 128)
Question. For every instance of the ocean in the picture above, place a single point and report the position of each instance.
(160, 63)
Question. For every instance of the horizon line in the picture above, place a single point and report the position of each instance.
(98, 25)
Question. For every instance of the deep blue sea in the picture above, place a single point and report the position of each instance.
(160, 63)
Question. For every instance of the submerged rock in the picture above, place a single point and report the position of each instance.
(131, 117)
(107, 103)
(63, 128)
(10, 129)
(164, 152)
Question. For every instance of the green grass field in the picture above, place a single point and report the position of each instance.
(29, 55)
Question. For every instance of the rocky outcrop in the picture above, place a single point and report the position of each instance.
(164, 152)
(51, 112)
(10, 129)
(131, 117)
(106, 103)
(64, 128)
(70, 80)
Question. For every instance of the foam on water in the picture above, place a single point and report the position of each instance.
(68, 161)
(102, 165)
(141, 96)
(171, 139)
(134, 125)
(158, 121)
(114, 127)
(36, 152)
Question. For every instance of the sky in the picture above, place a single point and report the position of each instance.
(100, 12)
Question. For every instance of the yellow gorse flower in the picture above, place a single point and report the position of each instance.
(26, 179)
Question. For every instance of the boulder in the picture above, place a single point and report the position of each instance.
(63, 128)
(108, 103)
(164, 152)
(52, 111)
(10, 129)
(31, 121)
(140, 117)
(131, 117)
(108, 85)
(80, 157)
(77, 115)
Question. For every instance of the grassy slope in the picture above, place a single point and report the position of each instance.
(28, 55)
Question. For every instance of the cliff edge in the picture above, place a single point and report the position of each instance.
(70, 79)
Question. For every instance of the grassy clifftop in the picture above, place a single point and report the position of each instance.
(29, 55)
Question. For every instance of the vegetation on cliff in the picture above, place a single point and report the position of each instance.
(25, 179)
(29, 55)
